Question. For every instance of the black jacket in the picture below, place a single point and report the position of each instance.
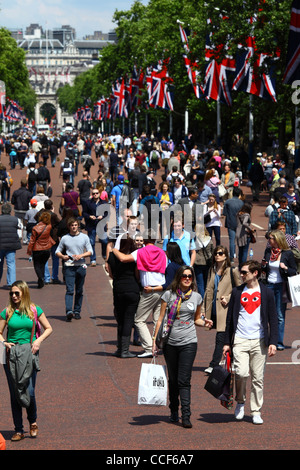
(287, 257)
(269, 317)
(9, 239)
(21, 199)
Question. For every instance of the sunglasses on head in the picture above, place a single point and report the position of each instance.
(186, 276)
(17, 294)
(220, 253)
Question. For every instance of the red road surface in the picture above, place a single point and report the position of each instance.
(87, 398)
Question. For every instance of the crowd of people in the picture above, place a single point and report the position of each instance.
(157, 207)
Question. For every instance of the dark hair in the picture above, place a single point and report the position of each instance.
(253, 266)
(246, 208)
(127, 245)
(175, 284)
(236, 192)
(227, 263)
(174, 253)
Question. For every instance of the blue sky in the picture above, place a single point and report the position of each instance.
(86, 16)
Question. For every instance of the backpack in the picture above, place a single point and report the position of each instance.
(128, 193)
(32, 176)
(154, 155)
(67, 167)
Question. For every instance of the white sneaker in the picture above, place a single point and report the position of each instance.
(257, 419)
(239, 411)
(145, 354)
(208, 370)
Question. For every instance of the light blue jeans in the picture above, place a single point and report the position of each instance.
(10, 257)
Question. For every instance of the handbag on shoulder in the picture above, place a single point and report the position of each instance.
(163, 333)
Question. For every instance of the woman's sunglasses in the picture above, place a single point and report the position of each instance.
(186, 276)
(17, 294)
(220, 253)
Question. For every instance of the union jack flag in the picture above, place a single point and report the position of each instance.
(157, 86)
(87, 114)
(216, 84)
(192, 67)
(136, 87)
(249, 78)
(292, 71)
(120, 94)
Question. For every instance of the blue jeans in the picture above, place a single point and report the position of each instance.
(243, 253)
(92, 236)
(10, 257)
(231, 235)
(201, 273)
(74, 277)
(55, 266)
(16, 408)
(280, 309)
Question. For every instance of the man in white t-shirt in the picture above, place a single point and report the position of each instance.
(251, 334)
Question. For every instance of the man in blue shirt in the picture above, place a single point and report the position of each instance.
(183, 239)
(116, 195)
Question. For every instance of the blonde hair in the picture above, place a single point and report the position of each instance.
(280, 239)
(25, 304)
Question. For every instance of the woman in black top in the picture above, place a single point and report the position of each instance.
(126, 295)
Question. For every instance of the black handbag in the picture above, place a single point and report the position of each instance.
(207, 218)
(218, 383)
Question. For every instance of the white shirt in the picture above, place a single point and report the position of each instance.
(249, 322)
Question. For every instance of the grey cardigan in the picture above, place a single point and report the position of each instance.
(21, 365)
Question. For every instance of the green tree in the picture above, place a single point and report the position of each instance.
(14, 73)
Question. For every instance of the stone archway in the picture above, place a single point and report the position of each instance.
(48, 99)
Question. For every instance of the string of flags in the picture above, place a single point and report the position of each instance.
(11, 112)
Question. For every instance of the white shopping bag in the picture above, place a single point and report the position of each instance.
(294, 287)
(153, 385)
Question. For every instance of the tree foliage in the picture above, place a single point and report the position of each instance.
(147, 34)
(14, 73)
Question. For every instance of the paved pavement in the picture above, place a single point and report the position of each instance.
(87, 398)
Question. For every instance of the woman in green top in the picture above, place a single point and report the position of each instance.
(19, 317)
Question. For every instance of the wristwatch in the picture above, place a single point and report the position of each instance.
(203, 317)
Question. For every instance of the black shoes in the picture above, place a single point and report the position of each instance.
(186, 423)
(174, 418)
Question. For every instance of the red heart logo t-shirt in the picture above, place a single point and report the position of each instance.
(249, 322)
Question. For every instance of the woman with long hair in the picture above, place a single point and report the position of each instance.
(243, 231)
(279, 263)
(126, 295)
(222, 278)
(40, 245)
(183, 302)
(204, 254)
(23, 319)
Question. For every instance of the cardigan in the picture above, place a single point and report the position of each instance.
(268, 314)
(226, 284)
